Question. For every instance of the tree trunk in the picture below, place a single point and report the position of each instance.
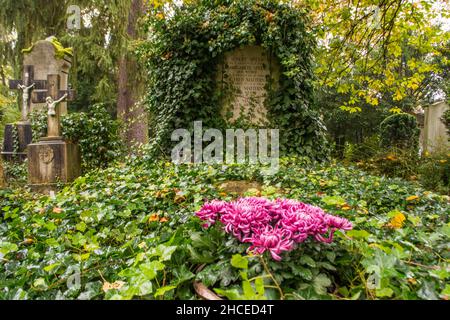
(132, 114)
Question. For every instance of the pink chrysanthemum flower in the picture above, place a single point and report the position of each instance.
(273, 226)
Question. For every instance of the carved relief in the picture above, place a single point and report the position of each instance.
(46, 154)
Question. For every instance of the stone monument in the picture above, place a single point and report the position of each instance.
(48, 57)
(245, 77)
(43, 58)
(435, 136)
(53, 160)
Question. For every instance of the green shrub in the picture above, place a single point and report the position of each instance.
(9, 113)
(96, 132)
(362, 151)
(400, 131)
(434, 172)
(182, 72)
(446, 120)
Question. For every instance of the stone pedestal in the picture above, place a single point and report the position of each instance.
(52, 161)
(16, 139)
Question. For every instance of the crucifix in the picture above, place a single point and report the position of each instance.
(53, 98)
(27, 85)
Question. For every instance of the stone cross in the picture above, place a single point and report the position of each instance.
(53, 99)
(27, 85)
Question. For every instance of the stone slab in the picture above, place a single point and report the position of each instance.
(245, 76)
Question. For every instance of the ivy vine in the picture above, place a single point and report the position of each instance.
(183, 52)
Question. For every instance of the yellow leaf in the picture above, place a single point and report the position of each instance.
(397, 221)
(412, 198)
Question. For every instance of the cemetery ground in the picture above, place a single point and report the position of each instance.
(357, 210)
(130, 231)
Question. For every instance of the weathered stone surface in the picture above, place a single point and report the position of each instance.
(52, 161)
(43, 58)
(245, 76)
(435, 137)
(22, 139)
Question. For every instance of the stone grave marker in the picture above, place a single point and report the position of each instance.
(42, 59)
(53, 160)
(47, 59)
(244, 78)
(434, 136)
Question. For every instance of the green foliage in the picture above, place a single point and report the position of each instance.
(9, 113)
(446, 120)
(434, 171)
(184, 51)
(95, 131)
(129, 231)
(15, 173)
(399, 130)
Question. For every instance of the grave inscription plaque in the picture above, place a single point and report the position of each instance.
(245, 76)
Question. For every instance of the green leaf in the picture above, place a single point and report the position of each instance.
(239, 261)
(51, 267)
(358, 234)
(145, 288)
(304, 259)
(164, 252)
(305, 273)
(151, 269)
(333, 200)
(427, 291)
(384, 292)
(7, 247)
(247, 288)
(321, 282)
(232, 294)
(259, 286)
(161, 291)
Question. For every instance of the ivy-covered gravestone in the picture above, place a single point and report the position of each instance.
(219, 61)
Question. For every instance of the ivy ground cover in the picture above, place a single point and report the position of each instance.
(131, 231)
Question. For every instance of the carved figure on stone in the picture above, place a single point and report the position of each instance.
(25, 97)
(51, 104)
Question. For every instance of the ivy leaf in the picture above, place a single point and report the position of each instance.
(164, 252)
(427, 291)
(151, 268)
(232, 294)
(162, 291)
(384, 292)
(239, 261)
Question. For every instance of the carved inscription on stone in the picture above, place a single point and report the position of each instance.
(245, 76)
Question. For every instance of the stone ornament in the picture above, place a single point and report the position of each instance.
(46, 154)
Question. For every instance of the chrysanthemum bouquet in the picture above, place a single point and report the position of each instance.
(274, 226)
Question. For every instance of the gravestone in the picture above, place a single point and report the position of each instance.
(245, 77)
(53, 160)
(435, 137)
(47, 59)
(42, 59)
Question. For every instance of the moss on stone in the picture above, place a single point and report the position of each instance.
(60, 51)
